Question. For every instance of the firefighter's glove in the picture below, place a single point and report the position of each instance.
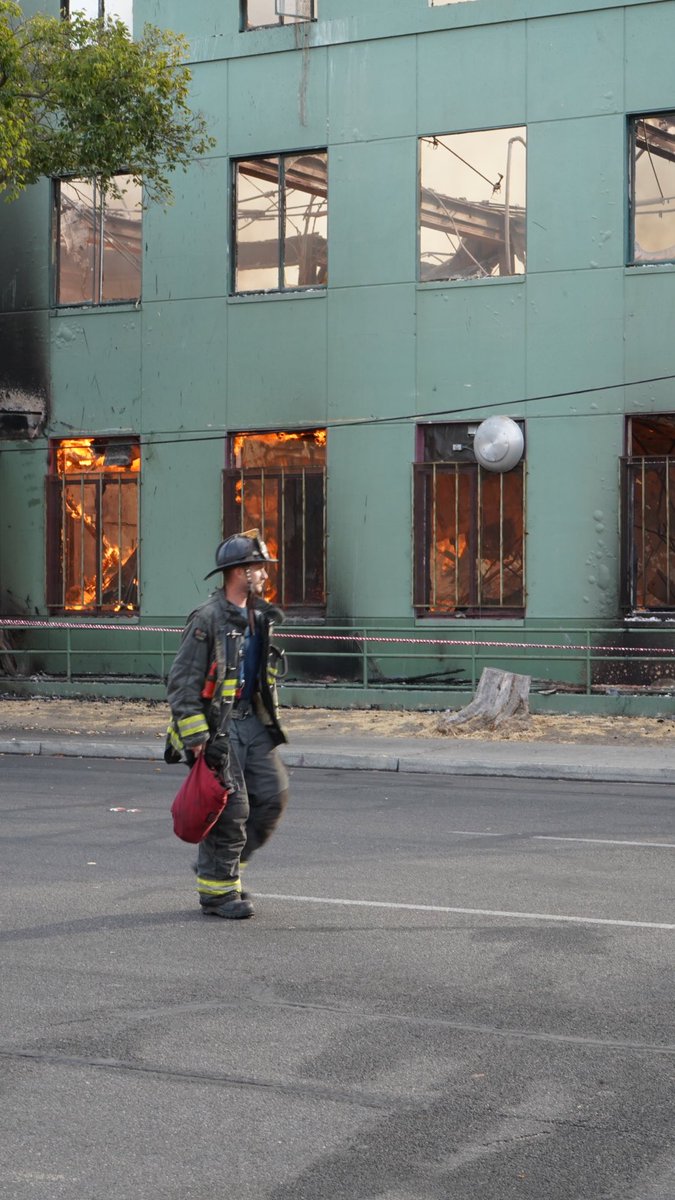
(217, 755)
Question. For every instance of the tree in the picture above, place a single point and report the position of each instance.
(79, 97)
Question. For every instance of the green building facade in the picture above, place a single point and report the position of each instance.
(416, 217)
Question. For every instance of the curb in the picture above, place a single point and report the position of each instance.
(358, 761)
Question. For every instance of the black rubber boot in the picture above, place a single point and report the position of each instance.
(232, 908)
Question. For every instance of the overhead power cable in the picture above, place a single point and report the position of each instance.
(168, 437)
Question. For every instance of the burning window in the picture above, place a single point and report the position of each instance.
(92, 507)
(648, 541)
(281, 222)
(276, 482)
(468, 529)
(472, 204)
(97, 241)
(652, 191)
(259, 13)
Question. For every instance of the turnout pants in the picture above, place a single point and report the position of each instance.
(252, 812)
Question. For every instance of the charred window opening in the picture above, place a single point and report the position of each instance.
(92, 516)
(648, 514)
(281, 222)
(468, 530)
(258, 14)
(97, 242)
(652, 188)
(276, 482)
(473, 204)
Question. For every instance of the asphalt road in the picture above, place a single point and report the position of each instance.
(452, 990)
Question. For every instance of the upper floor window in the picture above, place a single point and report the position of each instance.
(281, 222)
(648, 514)
(276, 482)
(259, 13)
(652, 188)
(97, 242)
(468, 529)
(472, 204)
(120, 10)
(92, 525)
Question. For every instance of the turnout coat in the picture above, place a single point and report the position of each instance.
(206, 676)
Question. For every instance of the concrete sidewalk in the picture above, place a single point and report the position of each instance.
(609, 762)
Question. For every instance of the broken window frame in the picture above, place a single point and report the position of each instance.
(262, 161)
(648, 550)
(64, 573)
(290, 584)
(281, 19)
(472, 597)
(486, 216)
(665, 150)
(97, 212)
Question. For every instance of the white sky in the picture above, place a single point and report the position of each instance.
(123, 9)
(487, 152)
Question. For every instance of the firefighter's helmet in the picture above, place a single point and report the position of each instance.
(241, 550)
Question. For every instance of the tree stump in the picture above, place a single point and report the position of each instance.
(500, 695)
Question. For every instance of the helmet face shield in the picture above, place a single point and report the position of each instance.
(241, 550)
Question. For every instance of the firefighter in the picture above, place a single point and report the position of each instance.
(222, 695)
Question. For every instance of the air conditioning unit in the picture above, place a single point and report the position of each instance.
(298, 10)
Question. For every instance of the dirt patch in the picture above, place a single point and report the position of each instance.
(141, 718)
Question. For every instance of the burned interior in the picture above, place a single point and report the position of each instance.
(259, 14)
(472, 204)
(92, 521)
(281, 222)
(97, 242)
(648, 514)
(276, 482)
(469, 529)
(653, 188)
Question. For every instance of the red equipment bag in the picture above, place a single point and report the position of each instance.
(199, 803)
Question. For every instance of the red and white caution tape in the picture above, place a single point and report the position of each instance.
(23, 623)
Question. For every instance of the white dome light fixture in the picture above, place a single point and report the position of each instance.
(498, 444)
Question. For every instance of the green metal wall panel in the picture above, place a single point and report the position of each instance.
(575, 66)
(648, 53)
(471, 348)
(648, 330)
(472, 78)
(372, 90)
(180, 526)
(277, 102)
(22, 526)
(372, 212)
(369, 548)
(574, 332)
(187, 242)
(276, 364)
(371, 351)
(572, 517)
(576, 166)
(184, 350)
(96, 371)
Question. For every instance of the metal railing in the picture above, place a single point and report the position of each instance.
(360, 657)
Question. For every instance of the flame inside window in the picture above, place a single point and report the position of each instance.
(96, 483)
(277, 484)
